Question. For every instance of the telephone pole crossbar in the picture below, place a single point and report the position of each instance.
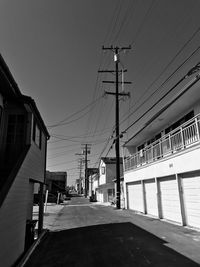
(111, 71)
(116, 51)
(115, 82)
(120, 94)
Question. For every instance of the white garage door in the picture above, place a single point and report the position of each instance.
(135, 197)
(151, 197)
(191, 196)
(170, 202)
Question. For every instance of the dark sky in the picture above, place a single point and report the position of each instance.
(54, 51)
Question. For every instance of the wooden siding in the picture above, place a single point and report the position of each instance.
(13, 221)
(16, 207)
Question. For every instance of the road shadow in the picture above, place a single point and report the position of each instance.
(117, 244)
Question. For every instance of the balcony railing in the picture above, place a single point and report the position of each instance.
(181, 138)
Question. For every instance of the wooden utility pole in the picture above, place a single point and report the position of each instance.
(116, 51)
(86, 151)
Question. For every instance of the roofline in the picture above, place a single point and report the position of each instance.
(9, 77)
(17, 93)
(28, 100)
(197, 78)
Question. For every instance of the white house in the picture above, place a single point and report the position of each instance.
(107, 176)
(23, 143)
(162, 170)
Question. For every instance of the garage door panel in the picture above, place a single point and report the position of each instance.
(135, 197)
(170, 201)
(151, 197)
(191, 196)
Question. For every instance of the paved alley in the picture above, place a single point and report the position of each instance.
(90, 234)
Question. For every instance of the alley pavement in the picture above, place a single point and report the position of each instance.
(94, 235)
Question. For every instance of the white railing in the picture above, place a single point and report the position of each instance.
(180, 138)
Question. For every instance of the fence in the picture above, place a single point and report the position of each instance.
(178, 139)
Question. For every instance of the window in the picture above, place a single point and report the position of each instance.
(37, 135)
(175, 125)
(102, 170)
(16, 129)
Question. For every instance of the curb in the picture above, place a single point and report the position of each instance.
(27, 255)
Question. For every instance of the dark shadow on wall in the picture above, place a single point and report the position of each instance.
(107, 245)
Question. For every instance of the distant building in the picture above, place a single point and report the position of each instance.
(92, 176)
(107, 175)
(162, 170)
(23, 143)
(79, 185)
(56, 181)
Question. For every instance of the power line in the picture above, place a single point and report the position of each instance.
(72, 115)
(143, 22)
(110, 30)
(159, 100)
(125, 19)
(80, 136)
(160, 86)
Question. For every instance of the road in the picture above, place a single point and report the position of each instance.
(93, 235)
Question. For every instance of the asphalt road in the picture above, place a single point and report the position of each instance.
(92, 235)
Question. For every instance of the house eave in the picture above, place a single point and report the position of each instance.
(171, 111)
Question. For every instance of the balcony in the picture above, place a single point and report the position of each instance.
(175, 141)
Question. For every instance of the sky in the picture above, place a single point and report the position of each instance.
(53, 49)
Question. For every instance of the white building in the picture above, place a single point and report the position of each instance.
(23, 144)
(162, 171)
(107, 176)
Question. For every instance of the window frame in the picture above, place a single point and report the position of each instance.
(37, 134)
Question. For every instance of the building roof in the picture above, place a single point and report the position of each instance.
(179, 104)
(57, 172)
(10, 89)
(110, 160)
(56, 176)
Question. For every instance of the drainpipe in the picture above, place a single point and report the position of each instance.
(41, 200)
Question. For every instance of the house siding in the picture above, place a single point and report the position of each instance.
(106, 180)
(17, 207)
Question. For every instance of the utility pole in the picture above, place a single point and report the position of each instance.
(86, 151)
(80, 175)
(80, 162)
(116, 51)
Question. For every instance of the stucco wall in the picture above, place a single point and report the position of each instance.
(185, 161)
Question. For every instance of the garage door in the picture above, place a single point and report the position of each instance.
(135, 197)
(191, 196)
(151, 197)
(170, 202)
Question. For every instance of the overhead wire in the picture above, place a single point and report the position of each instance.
(143, 22)
(168, 78)
(125, 19)
(111, 28)
(158, 101)
(63, 122)
(138, 32)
